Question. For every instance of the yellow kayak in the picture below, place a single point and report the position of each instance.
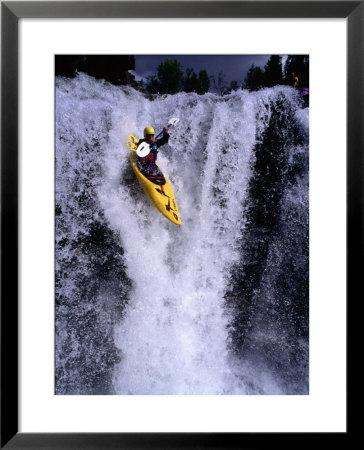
(160, 191)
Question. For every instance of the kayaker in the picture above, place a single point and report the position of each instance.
(147, 163)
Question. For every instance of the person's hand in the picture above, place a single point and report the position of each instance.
(165, 128)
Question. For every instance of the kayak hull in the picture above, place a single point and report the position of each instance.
(161, 196)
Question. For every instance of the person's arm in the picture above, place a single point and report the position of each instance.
(164, 139)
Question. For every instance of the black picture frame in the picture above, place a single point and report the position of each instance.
(11, 12)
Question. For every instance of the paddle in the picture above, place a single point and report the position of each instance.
(144, 148)
(171, 123)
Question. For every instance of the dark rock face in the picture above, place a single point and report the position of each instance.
(270, 285)
(112, 68)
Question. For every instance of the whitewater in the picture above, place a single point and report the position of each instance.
(216, 306)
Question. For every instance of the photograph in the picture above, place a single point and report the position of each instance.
(182, 224)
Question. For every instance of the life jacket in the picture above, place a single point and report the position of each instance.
(152, 156)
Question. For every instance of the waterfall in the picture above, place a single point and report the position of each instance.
(218, 305)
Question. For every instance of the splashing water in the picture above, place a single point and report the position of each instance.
(144, 306)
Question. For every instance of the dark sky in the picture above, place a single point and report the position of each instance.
(235, 67)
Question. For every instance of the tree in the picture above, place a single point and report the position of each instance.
(204, 82)
(273, 71)
(200, 84)
(220, 83)
(170, 75)
(169, 79)
(254, 79)
(152, 85)
(191, 83)
(234, 85)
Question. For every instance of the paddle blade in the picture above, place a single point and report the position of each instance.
(143, 149)
(173, 121)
